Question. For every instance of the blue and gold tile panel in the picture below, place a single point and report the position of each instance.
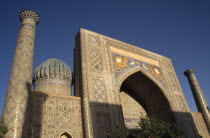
(123, 63)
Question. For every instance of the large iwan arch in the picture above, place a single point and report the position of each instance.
(141, 94)
(146, 78)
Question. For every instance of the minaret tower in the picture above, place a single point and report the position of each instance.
(21, 76)
(198, 96)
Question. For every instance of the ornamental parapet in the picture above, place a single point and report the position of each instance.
(25, 14)
(189, 72)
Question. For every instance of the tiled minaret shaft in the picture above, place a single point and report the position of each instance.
(198, 96)
(21, 76)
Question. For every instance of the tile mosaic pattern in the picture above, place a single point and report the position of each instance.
(99, 91)
(200, 124)
(96, 61)
(54, 115)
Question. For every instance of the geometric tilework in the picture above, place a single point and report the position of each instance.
(172, 80)
(181, 104)
(54, 115)
(96, 61)
(93, 40)
(200, 124)
(99, 91)
(103, 125)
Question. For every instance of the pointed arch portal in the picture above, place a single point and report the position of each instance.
(141, 95)
(65, 135)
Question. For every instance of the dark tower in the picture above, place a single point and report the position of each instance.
(198, 96)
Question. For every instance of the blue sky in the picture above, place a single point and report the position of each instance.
(178, 29)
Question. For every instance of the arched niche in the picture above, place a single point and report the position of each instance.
(65, 135)
(146, 92)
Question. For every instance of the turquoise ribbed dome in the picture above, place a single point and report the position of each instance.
(53, 69)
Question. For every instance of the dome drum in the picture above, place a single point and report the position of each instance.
(53, 86)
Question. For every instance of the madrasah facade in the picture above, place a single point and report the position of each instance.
(114, 82)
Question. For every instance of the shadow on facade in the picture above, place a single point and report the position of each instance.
(104, 116)
(27, 117)
(107, 116)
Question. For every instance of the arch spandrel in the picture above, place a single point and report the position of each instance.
(144, 68)
(123, 64)
(133, 70)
